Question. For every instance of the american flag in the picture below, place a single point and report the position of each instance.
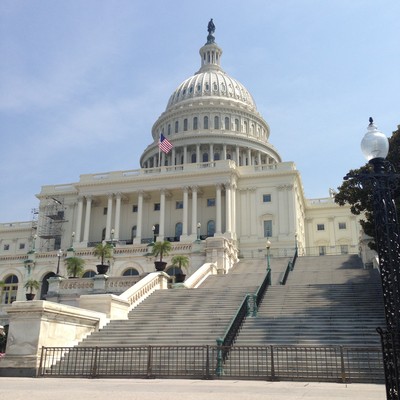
(164, 144)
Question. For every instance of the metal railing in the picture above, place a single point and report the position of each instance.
(290, 363)
(289, 268)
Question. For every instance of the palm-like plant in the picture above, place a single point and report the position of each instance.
(161, 249)
(75, 266)
(180, 261)
(103, 251)
(31, 285)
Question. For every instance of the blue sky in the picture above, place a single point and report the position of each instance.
(83, 81)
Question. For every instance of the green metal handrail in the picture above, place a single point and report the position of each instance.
(288, 269)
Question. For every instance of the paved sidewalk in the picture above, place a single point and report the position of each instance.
(157, 389)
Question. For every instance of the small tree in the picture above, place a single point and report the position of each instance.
(75, 266)
(31, 285)
(180, 261)
(103, 251)
(161, 249)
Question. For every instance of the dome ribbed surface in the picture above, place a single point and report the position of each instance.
(214, 83)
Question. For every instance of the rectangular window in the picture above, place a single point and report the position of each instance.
(320, 227)
(266, 198)
(342, 225)
(268, 228)
(21, 246)
(6, 247)
(344, 249)
(210, 202)
(156, 206)
(179, 205)
(105, 211)
(322, 250)
(134, 208)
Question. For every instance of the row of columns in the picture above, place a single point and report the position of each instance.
(240, 155)
(112, 231)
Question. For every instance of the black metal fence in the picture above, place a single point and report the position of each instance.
(291, 363)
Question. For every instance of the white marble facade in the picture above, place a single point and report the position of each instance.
(222, 179)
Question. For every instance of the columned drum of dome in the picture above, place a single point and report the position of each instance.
(211, 116)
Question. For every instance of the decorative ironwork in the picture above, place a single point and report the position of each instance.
(383, 180)
(289, 363)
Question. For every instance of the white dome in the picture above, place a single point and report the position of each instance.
(211, 83)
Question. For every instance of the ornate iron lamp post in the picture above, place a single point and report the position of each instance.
(198, 231)
(59, 254)
(383, 180)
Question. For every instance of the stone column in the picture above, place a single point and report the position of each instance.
(228, 199)
(198, 153)
(224, 152)
(117, 216)
(237, 156)
(185, 213)
(234, 210)
(259, 158)
(194, 211)
(252, 210)
(248, 156)
(78, 226)
(87, 218)
(109, 215)
(211, 158)
(138, 238)
(173, 156)
(218, 216)
(185, 154)
(162, 215)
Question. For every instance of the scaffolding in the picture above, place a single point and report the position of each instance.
(50, 224)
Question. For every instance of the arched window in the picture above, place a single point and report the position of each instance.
(130, 272)
(45, 285)
(227, 123)
(133, 232)
(9, 290)
(216, 122)
(176, 126)
(185, 124)
(195, 123)
(206, 122)
(103, 234)
(88, 274)
(194, 157)
(245, 126)
(210, 228)
(169, 129)
(205, 157)
(216, 157)
(178, 230)
(236, 125)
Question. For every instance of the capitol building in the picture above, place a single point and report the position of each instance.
(215, 187)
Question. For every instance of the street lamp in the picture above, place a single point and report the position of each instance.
(59, 254)
(382, 179)
(198, 231)
(112, 236)
(154, 233)
(268, 246)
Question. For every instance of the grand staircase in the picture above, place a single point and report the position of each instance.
(327, 301)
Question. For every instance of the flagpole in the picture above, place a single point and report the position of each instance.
(159, 149)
